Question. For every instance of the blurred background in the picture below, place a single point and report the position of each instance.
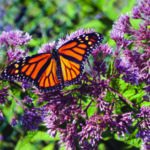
(48, 20)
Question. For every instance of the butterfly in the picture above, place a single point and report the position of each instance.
(50, 72)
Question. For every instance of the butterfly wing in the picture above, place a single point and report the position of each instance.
(74, 53)
(38, 69)
(43, 70)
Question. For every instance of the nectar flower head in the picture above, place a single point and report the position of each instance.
(3, 95)
(100, 66)
(14, 121)
(142, 11)
(28, 100)
(46, 48)
(123, 24)
(30, 120)
(26, 85)
(14, 38)
(1, 117)
(118, 37)
(16, 54)
(106, 49)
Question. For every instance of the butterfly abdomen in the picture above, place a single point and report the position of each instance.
(58, 66)
(58, 71)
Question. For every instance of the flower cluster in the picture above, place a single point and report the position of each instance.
(12, 41)
(1, 116)
(3, 95)
(14, 38)
(133, 64)
(31, 119)
(47, 48)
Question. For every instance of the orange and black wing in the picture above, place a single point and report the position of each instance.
(39, 70)
(74, 53)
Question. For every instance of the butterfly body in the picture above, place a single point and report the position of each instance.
(50, 72)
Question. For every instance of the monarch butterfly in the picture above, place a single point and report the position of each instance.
(50, 72)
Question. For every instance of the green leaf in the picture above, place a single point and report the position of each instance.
(34, 11)
(70, 9)
(129, 93)
(49, 147)
(109, 9)
(93, 24)
(24, 142)
(101, 3)
(26, 146)
(128, 6)
(92, 109)
(40, 135)
(131, 139)
(135, 23)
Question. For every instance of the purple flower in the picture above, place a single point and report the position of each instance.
(148, 89)
(92, 130)
(146, 98)
(87, 146)
(3, 95)
(120, 28)
(100, 66)
(119, 123)
(26, 85)
(101, 103)
(144, 126)
(14, 121)
(144, 112)
(1, 138)
(28, 100)
(130, 78)
(146, 143)
(136, 13)
(68, 136)
(123, 24)
(30, 120)
(141, 11)
(142, 34)
(118, 37)
(14, 38)
(60, 110)
(15, 55)
(47, 48)
(1, 117)
(128, 69)
(96, 125)
(105, 49)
